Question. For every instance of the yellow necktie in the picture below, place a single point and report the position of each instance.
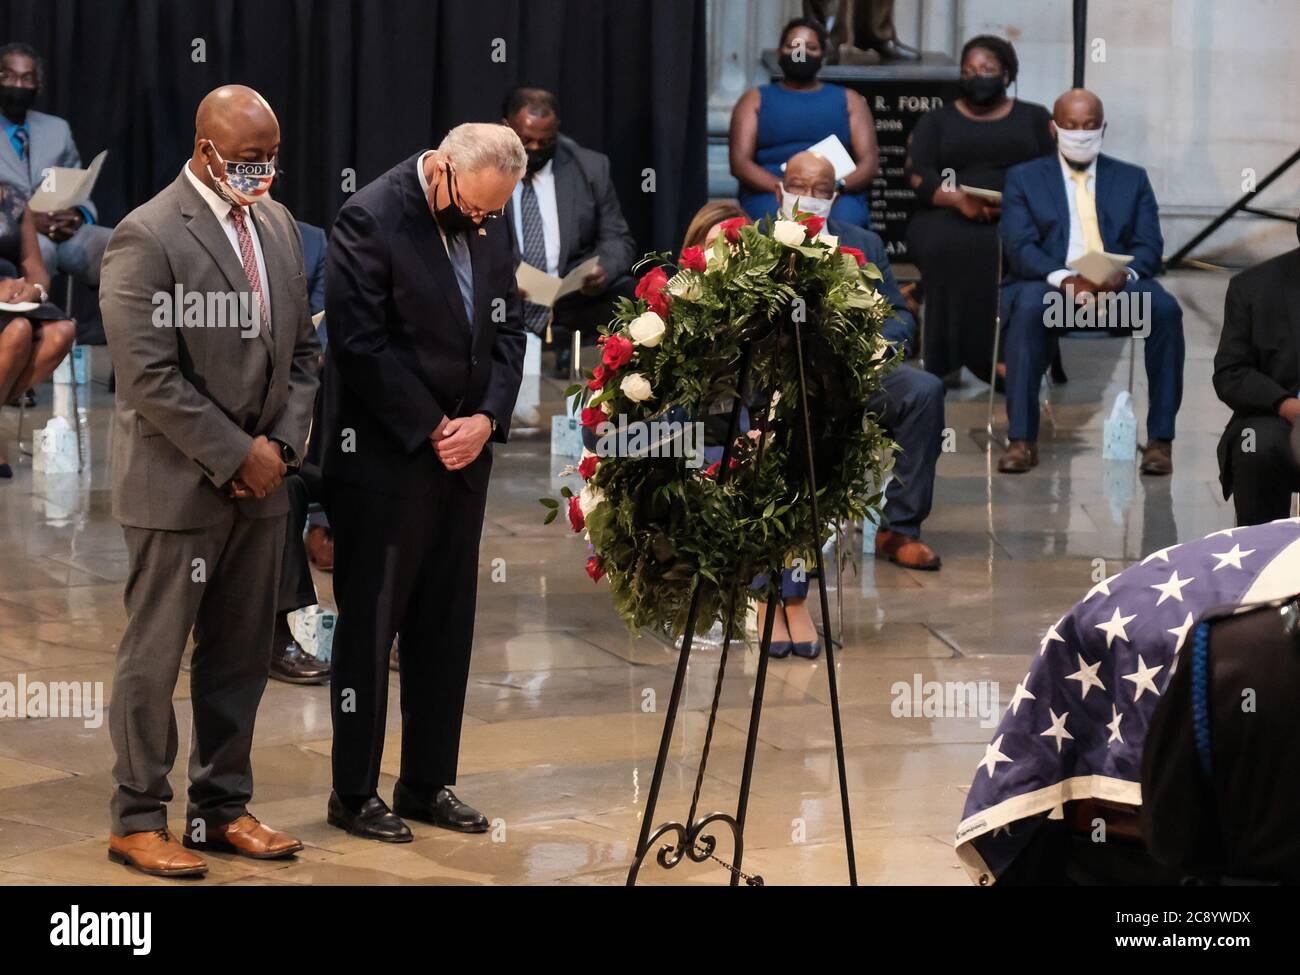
(1086, 204)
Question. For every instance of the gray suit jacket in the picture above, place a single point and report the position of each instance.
(191, 399)
(51, 145)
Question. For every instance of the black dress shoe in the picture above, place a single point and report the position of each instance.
(291, 663)
(444, 810)
(374, 820)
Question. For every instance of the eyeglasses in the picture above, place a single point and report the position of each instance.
(473, 212)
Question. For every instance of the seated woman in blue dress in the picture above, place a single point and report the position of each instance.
(772, 122)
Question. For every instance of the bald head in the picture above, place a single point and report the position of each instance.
(1078, 108)
(809, 176)
(233, 123)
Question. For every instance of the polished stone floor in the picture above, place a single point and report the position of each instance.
(558, 748)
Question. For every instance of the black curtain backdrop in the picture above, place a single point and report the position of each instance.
(359, 85)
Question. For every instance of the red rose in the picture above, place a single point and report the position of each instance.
(576, 521)
(588, 466)
(592, 417)
(597, 380)
(618, 352)
(731, 228)
(813, 224)
(651, 289)
(693, 259)
(595, 569)
(856, 254)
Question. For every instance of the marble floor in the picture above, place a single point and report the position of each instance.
(558, 747)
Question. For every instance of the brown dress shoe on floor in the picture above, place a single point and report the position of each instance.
(155, 852)
(1019, 457)
(320, 547)
(1157, 458)
(248, 838)
(904, 550)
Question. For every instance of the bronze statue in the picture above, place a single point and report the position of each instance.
(857, 27)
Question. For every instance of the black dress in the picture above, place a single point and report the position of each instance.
(958, 257)
(12, 206)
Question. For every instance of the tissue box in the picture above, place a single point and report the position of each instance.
(313, 628)
(54, 448)
(1119, 435)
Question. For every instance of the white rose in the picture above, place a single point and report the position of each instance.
(647, 330)
(789, 233)
(589, 498)
(831, 242)
(636, 387)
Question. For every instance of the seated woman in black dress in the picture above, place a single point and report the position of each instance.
(953, 235)
(34, 341)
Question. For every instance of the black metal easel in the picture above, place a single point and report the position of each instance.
(688, 839)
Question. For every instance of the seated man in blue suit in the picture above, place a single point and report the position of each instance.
(1054, 209)
(910, 406)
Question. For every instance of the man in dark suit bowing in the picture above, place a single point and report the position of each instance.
(1054, 210)
(564, 212)
(424, 359)
(1257, 374)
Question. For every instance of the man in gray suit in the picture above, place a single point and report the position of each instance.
(71, 241)
(210, 413)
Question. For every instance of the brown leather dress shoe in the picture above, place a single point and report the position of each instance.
(904, 550)
(1157, 458)
(155, 852)
(247, 837)
(320, 547)
(1019, 457)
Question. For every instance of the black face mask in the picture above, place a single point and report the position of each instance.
(15, 101)
(804, 70)
(451, 218)
(982, 89)
(538, 158)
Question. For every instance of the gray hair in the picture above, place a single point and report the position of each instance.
(481, 145)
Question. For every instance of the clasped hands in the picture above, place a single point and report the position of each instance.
(459, 441)
(261, 472)
(1085, 290)
(59, 225)
(15, 290)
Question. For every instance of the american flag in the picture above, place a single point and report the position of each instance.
(1075, 725)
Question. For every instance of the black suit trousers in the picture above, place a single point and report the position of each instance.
(408, 565)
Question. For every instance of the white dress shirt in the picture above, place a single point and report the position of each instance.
(221, 210)
(544, 187)
(1075, 248)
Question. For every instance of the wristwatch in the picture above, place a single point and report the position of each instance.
(287, 455)
(491, 419)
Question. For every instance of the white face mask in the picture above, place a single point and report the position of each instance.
(805, 204)
(1080, 146)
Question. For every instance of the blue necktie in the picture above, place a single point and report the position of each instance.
(458, 251)
(20, 142)
(533, 251)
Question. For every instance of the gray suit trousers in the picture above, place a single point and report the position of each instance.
(220, 583)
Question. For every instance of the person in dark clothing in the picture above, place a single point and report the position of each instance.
(953, 236)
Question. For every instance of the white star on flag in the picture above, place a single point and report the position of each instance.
(1113, 727)
(1114, 627)
(1021, 694)
(1102, 587)
(1057, 729)
(992, 755)
(1051, 635)
(1141, 678)
(1173, 586)
(1181, 632)
(1162, 555)
(1232, 558)
(1086, 676)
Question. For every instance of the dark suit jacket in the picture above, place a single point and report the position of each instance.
(591, 220)
(1257, 364)
(313, 256)
(901, 329)
(401, 353)
(190, 399)
(1035, 223)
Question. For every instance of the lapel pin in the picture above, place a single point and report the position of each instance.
(482, 232)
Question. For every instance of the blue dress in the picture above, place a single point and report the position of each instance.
(790, 121)
(13, 204)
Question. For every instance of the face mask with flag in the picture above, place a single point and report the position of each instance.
(243, 183)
